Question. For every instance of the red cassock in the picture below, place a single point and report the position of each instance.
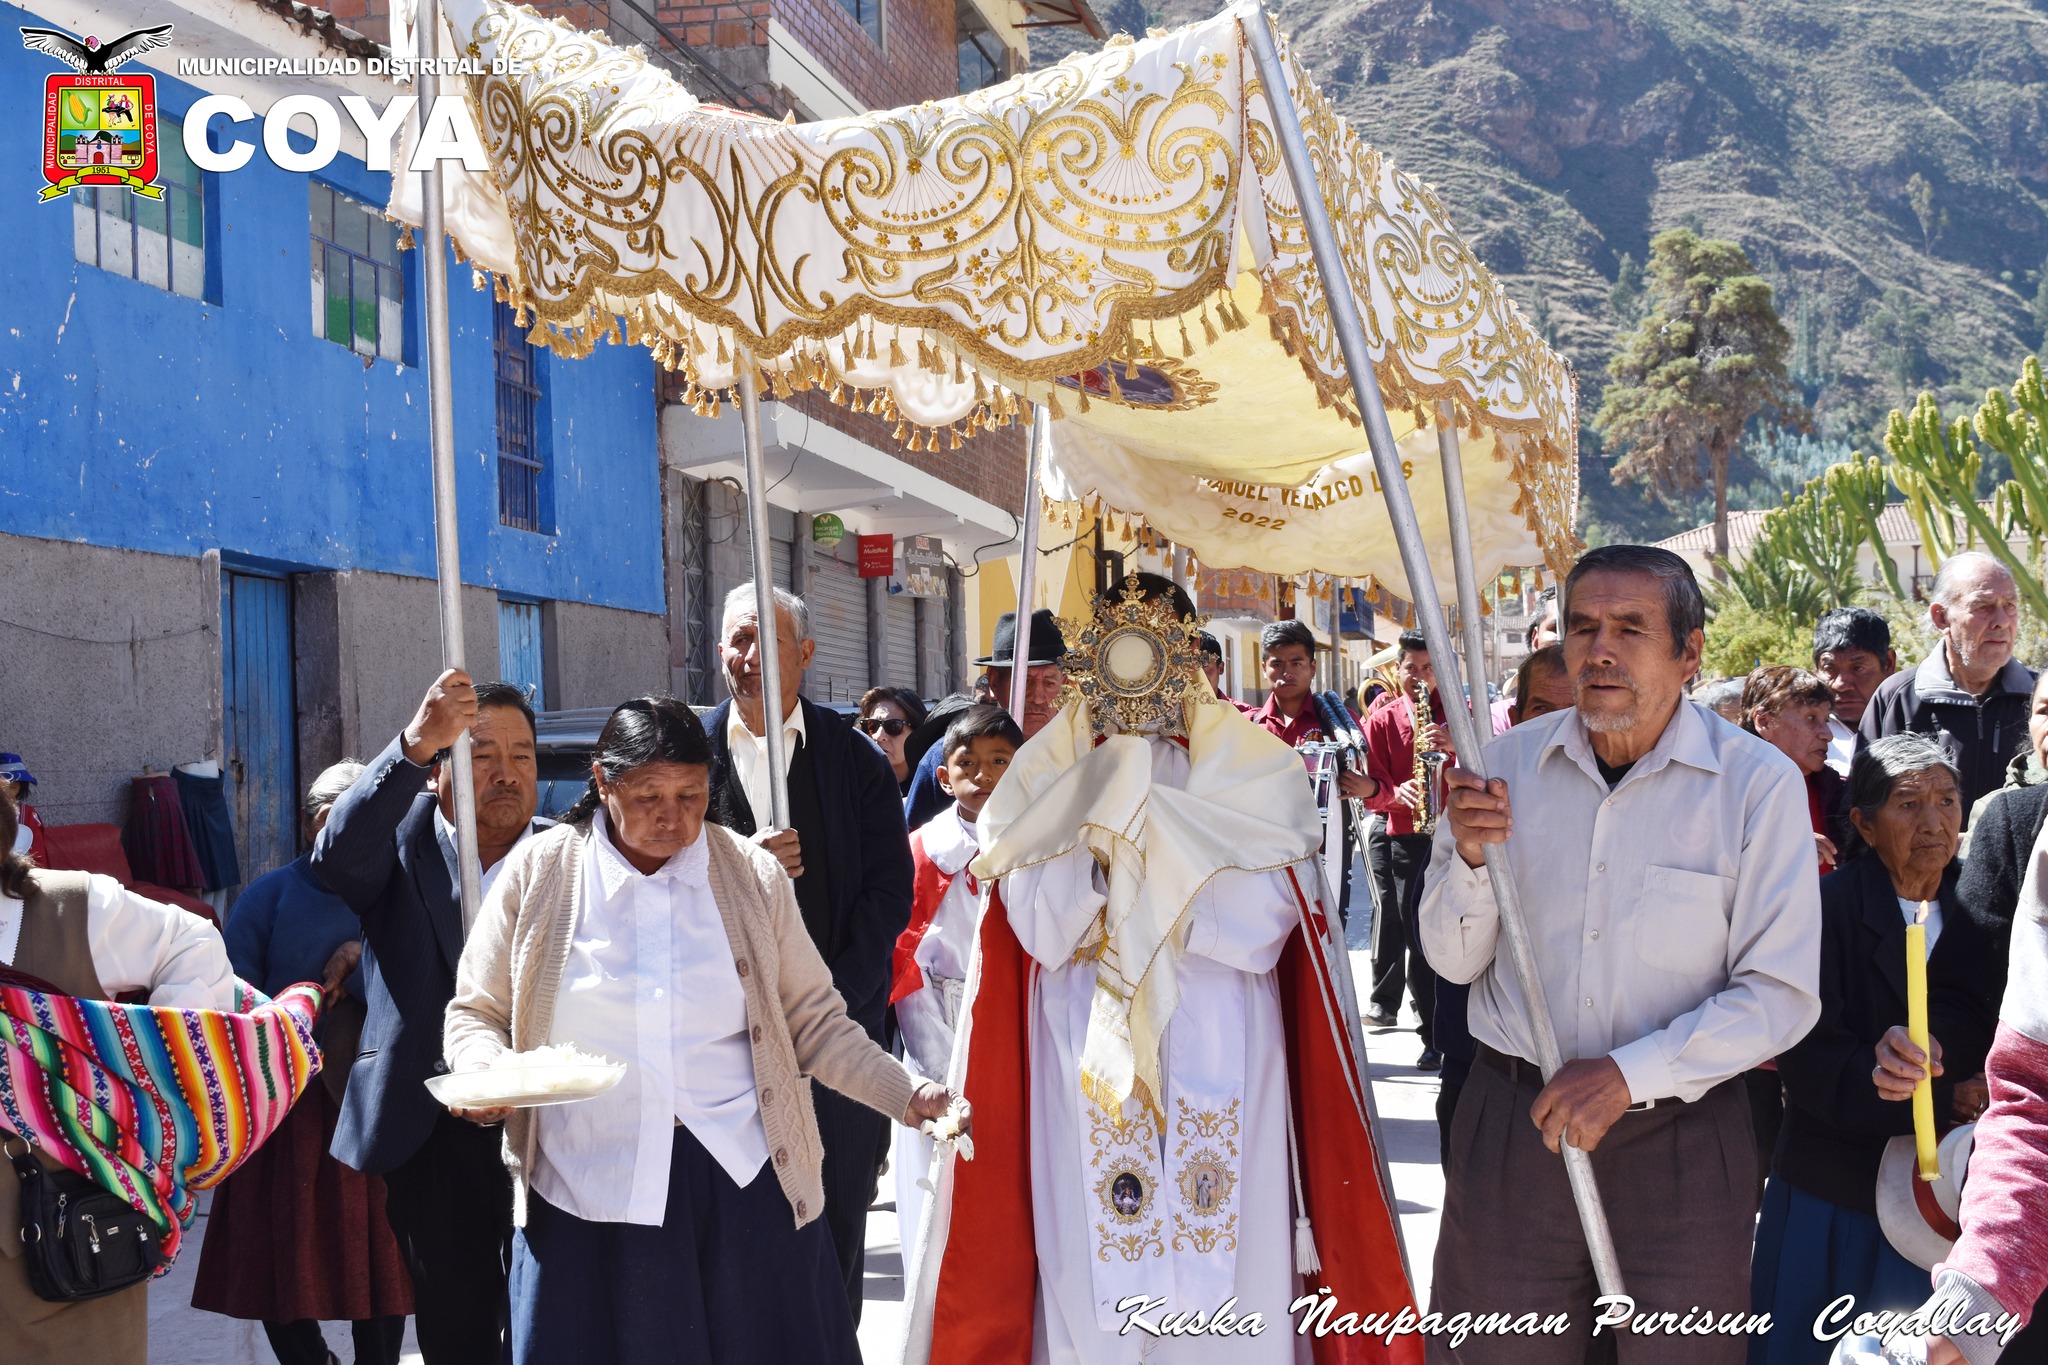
(983, 1301)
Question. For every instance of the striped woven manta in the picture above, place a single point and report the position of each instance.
(152, 1104)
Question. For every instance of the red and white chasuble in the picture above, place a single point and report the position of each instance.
(929, 976)
(1154, 1019)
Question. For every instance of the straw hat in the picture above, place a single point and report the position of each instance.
(1919, 1216)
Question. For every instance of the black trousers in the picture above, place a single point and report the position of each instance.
(450, 1204)
(856, 1139)
(1766, 1117)
(1398, 862)
(378, 1341)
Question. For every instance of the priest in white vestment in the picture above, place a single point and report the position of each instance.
(1153, 969)
(1192, 1214)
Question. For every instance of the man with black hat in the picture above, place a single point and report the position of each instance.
(1042, 683)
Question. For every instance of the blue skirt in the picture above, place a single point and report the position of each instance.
(726, 1280)
(1809, 1253)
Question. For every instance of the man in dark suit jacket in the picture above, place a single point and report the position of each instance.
(389, 851)
(849, 854)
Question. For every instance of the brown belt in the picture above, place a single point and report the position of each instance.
(1520, 1072)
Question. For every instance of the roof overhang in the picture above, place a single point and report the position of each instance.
(815, 468)
(1064, 14)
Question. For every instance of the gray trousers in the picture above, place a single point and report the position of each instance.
(1679, 1182)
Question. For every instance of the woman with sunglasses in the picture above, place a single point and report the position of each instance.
(887, 716)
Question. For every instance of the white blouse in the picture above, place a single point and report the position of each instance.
(139, 944)
(650, 981)
(1911, 910)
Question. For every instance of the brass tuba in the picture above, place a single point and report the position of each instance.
(1429, 763)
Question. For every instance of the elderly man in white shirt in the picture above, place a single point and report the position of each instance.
(1665, 863)
(845, 849)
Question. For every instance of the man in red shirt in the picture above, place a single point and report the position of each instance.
(1289, 651)
(1399, 857)
(1212, 669)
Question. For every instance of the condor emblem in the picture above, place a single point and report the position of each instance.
(98, 128)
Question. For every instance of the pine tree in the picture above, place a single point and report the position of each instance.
(1708, 355)
(1920, 195)
(1626, 297)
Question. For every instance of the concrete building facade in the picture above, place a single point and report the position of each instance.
(215, 491)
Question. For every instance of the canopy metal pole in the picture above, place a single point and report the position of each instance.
(1336, 637)
(1461, 563)
(1344, 317)
(1027, 564)
(767, 620)
(441, 436)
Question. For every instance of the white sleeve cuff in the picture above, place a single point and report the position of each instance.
(1644, 1068)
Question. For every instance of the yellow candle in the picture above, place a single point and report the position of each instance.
(1916, 1028)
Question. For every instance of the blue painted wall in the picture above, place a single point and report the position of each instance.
(135, 418)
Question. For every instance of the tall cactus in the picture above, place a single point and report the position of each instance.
(1858, 489)
(1936, 462)
(2018, 430)
(1813, 531)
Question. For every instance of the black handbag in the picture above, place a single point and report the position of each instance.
(80, 1241)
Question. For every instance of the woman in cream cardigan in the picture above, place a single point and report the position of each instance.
(675, 1217)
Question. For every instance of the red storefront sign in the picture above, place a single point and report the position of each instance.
(877, 556)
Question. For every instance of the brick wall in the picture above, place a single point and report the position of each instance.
(371, 18)
(917, 60)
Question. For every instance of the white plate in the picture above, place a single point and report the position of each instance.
(526, 1087)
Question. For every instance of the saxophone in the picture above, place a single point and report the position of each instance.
(1429, 763)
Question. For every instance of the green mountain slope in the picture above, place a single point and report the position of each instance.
(1565, 133)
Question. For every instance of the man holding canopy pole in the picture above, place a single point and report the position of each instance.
(1672, 964)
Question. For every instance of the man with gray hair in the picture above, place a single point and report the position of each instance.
(846, 849)
(1665, 862)
(1970, 693)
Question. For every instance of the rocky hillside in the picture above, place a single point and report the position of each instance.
(1885, 163)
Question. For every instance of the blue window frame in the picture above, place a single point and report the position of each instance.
(358, 284)
(522, 457)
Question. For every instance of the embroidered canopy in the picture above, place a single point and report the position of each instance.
(1115, 237)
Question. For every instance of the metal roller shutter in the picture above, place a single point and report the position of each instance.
(839, 623)
(899, 638)
(781, 562)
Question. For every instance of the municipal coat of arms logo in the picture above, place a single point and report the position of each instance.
(99, 128)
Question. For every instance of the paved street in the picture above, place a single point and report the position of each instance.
(1406, 1099)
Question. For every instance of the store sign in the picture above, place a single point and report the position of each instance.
(877, 556)
(924, 566)
(828, 530)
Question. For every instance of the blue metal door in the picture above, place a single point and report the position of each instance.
(259, 720)
(519, 660)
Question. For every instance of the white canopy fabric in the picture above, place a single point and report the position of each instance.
(1115, 237)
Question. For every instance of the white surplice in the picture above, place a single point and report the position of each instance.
(929, 1017)
(1206, 1212)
